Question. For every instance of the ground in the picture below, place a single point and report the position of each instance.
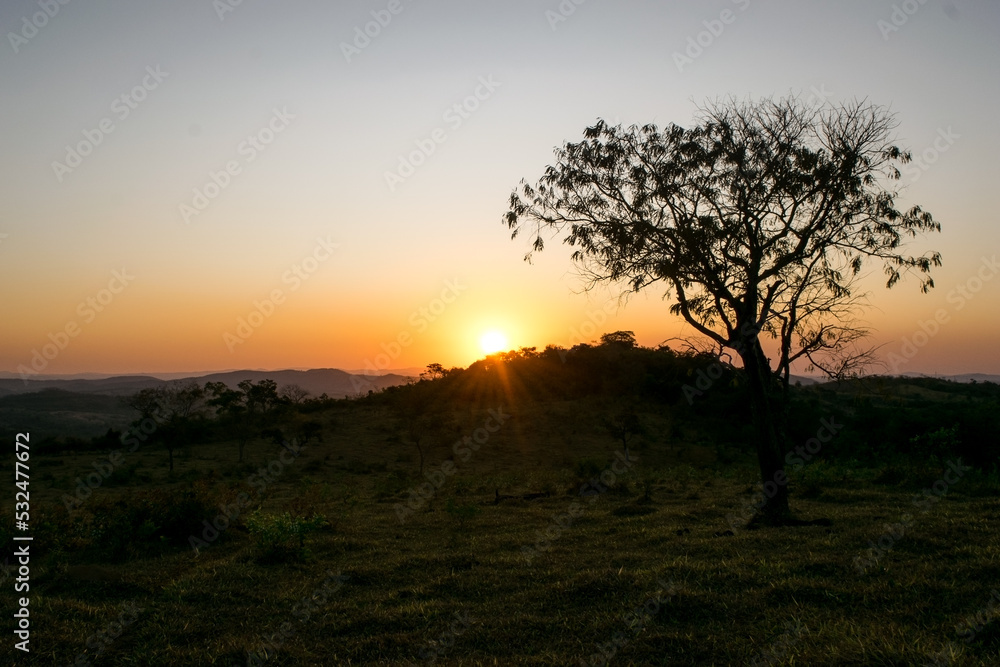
(667, 577)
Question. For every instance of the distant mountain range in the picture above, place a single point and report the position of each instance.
(333, 382)
(88, 405)
(962, 377)
(330, 381)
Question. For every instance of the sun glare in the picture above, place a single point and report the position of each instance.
(493, 341)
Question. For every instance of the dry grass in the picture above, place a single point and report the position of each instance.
(458, 588)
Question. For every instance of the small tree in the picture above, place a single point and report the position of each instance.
(420, 420)
(245, 408)
(259, 398)
(757, 221)
(624, 339)
(309, 430)
(415, 431)
(175, 407)
(623, 427)
(293, 393)
(433, 372)
(229, 405)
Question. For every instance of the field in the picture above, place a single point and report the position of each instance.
(537, 545)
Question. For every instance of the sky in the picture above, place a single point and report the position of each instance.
(205, 185)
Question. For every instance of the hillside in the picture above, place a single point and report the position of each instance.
(501, 495)
(86, 408)
(330, 381)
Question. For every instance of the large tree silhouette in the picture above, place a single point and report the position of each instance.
(758, 221)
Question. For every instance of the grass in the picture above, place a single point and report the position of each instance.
(319, 569)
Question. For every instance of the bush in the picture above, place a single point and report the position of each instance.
(387, 486)
(461, 513)
(587, 468)
(358, 467)
(145, 522)
(891, 475)
(940, 442)
(281, 538)
(127, 475)
(308, 499)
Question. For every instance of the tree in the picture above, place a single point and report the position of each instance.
(175, 407)
(259, 398)
(421, 420)
(245, 407)
(293, 393)
(625, 339)
(758, 220)
(229, 404)
(309, 430)
(433, 372)
(624, 426)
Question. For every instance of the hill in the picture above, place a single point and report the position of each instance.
(86, 408)
(502, 495)
(330, 381)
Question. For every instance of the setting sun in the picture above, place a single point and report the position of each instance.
(493, 341)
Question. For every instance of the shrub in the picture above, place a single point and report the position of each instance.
(308, 499)
(893, 474)
(940, 442)
(588, 467)
(123, 475)
(145, 522)
(314, 465)
(461, 513)
(359, 467)
(282, 537)
(391, 484)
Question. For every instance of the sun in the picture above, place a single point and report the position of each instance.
(493, 341)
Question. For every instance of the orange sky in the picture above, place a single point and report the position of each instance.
(356, 188)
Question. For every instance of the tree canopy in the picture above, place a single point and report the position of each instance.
(757, 219)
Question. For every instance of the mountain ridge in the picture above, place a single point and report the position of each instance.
(333, 382)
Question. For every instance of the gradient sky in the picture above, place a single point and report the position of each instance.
(343, 121)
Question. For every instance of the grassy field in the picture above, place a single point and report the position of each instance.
(329, 559)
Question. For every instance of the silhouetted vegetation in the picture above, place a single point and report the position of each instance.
(757, 221)
(884, 417)
(409, 495)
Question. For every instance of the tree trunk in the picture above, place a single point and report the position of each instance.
(420, 451)
(769, 419)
